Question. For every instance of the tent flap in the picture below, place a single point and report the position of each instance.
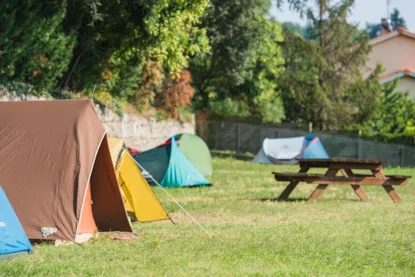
(142, 201)
(106, 196)
(139, 200)
(155, 161)
(181, 172)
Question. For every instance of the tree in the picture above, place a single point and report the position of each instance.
(394, 118)
(373, 29)
(244, 60)
(397, 21)
(260, 87)
(33, 45)
(322, 78)
(177, 93)
(303, 31)
(114, 38)
(76, 44)
(294, 28)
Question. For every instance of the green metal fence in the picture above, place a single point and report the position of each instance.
(244, 137)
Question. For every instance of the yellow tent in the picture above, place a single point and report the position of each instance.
(139, 200)
(116, 148)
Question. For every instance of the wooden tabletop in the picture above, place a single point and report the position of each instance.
(342, 160)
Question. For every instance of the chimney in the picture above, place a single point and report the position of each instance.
(386, 26)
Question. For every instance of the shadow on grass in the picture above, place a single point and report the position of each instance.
(303, 199)
(236, 156)
(272, 199)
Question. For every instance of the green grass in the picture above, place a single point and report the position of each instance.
(253, 235)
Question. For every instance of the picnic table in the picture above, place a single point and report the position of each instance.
(346, 167)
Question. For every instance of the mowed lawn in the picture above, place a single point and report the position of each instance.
(253, 234)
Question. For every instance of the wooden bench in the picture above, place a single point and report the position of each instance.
(360, 179)
(345, 167)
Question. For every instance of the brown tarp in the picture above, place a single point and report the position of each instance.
(48, 152)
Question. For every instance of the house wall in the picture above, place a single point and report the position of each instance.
(407, 84)
(395, 54)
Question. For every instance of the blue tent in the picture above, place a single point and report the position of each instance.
(169, 166)
(286, 150)
(314, 149)
(13, 239)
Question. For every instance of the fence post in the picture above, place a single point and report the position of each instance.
(238, 138)
(216, 134)
(359, 145)
(260, 137)
(401, 156)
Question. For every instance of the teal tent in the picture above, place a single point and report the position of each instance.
(169, 166)
(196, 151)
(13, 239)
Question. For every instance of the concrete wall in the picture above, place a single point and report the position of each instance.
(137, 131)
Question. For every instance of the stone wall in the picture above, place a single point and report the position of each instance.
(137, 131)
(140, 132)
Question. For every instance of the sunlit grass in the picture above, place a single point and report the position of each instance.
(253, 234)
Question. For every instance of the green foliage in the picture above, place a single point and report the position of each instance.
(229, 108)
(33, 46)
(232, 45)
(322, 83)
(261, 85)
(302, 31)
(19, 88)
(397, 21)
(73, 45)
(394, 117)
(116, 39)
(244, 63)
(295, 28)
(271, 109)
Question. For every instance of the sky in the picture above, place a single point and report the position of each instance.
(364, 11)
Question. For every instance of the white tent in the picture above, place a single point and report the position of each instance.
(283, 150)
(286, 150)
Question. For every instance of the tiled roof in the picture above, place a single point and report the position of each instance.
(397, 74)
(397, 32)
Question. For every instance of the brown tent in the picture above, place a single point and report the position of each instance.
(56, 169)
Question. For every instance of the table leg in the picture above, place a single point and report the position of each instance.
(320, 188)
(378, 173)
(393, 194)
(291, 186)
(360, 192)
(357, 188)
(389, 189)
(317, 192)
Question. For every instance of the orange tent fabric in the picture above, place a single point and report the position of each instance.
(87, 223)
(49, 151)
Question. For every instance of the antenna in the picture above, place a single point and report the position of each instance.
(388, 3)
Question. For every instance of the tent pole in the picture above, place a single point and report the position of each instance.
(172, 198)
